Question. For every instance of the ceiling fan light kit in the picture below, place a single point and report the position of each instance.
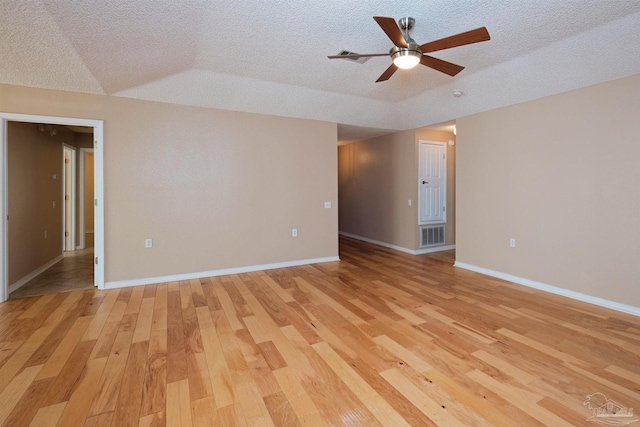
(406, 53)
(406, 58)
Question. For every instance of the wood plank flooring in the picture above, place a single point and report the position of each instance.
(379, 338)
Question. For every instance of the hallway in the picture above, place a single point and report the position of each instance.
(74, 272)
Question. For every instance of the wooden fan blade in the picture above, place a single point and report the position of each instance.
(440, 65)
(469, 37)
(357, 55)
(387, 73)
(392, 30)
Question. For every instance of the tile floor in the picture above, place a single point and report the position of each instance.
(74, 272)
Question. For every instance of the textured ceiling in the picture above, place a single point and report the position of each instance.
(270, 57)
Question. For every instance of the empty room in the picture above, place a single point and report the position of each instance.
(319, 213)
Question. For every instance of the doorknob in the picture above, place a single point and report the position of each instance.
(425, 182)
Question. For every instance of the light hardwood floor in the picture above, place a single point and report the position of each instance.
(379, 338)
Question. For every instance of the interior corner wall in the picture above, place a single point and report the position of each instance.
(214, 189)
(35, 224)
(442, 136)
(560, 175)
(89, 196)
(84, 140)
(376, 178)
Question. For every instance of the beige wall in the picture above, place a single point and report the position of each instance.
(376, 179)
(84, 140)
(88, 192)
(214, 189)
(33, 157)
(560, 175)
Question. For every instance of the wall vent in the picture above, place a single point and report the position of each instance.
(360, 60)
(432, 236)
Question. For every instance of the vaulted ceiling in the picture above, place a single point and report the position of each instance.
(271, 56)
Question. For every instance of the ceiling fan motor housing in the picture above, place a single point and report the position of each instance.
(412, 50)
(406, 23)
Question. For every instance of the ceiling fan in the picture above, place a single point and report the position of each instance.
(406, 53)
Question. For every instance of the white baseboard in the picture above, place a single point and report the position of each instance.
(552, 289)
(434, 249)
(18, 283)
(399, 248)
(222, 272)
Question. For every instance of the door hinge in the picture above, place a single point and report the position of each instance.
(66, 234)
(95, 202)
(96, 260)
(443, 209)
(443, 157)
(66, 197)
(66, 161)
(95, 144)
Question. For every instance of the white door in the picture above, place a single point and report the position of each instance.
(433, 181)
(69, 205)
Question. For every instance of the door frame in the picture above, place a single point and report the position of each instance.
(98, 182)
(71, 186)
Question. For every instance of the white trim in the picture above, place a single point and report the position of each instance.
(4, 199)
(433, 249)
(399, 248)
(427, 223)
(222, 272)
(98, 137)
(18, 283)
(98, 207)
(553, 289)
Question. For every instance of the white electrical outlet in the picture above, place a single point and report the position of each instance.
(294, 232)
(512, 243)
(409, 203)
(327, 205)
(148, 243)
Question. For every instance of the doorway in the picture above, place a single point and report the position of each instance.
(97, 129)
(432, 182)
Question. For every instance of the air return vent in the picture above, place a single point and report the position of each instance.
(360, 60)
(432, 236)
